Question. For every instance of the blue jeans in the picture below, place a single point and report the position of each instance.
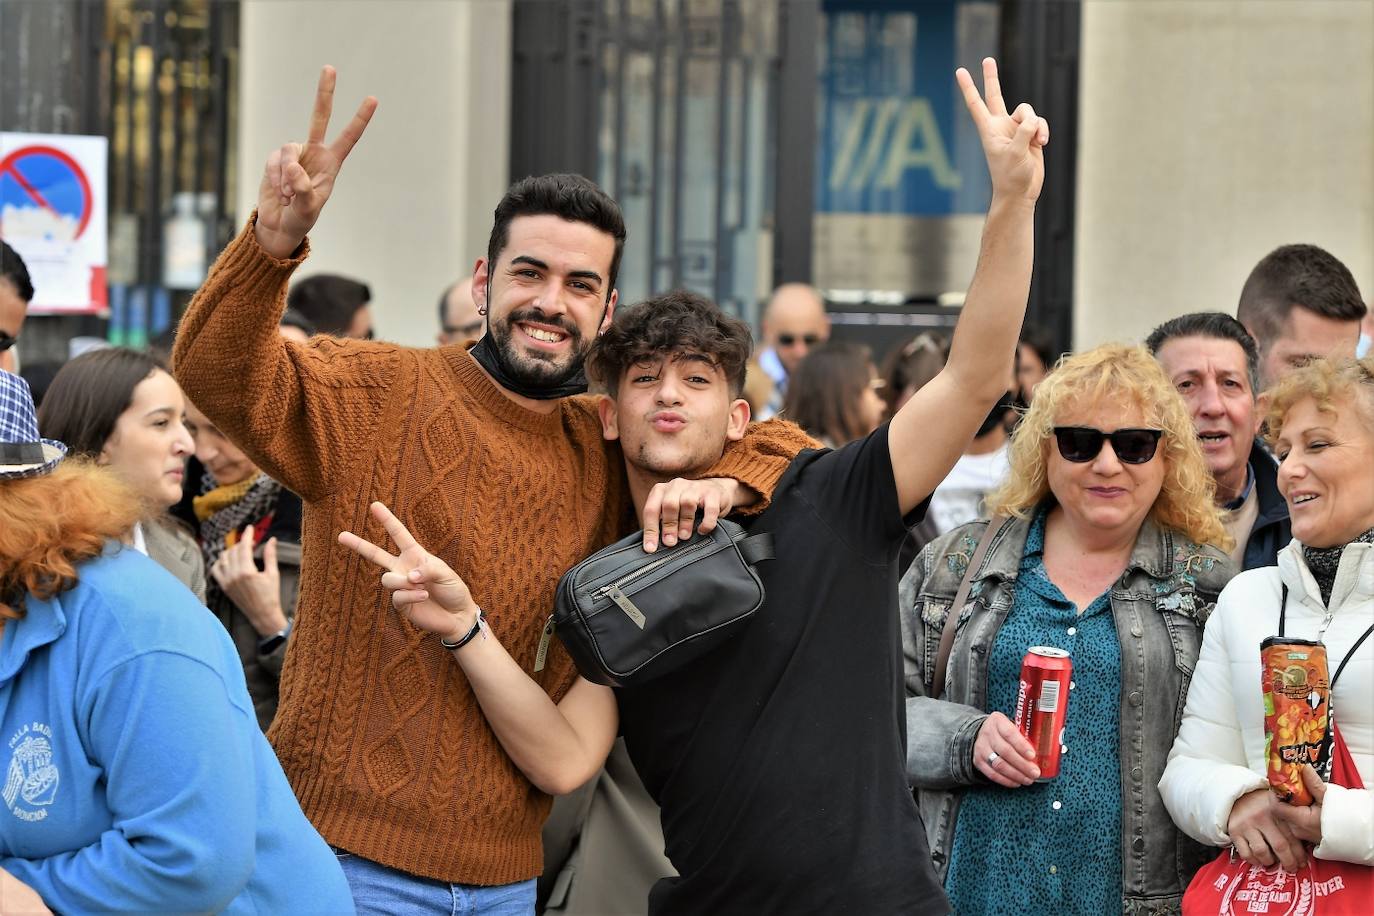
(381, 891)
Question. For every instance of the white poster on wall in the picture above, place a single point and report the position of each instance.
(53, 200)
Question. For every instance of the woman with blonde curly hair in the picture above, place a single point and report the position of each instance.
(1103, 543)
(136, 777)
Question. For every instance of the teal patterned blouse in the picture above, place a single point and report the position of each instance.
(1050, 847)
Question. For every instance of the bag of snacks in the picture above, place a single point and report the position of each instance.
(1297, 702)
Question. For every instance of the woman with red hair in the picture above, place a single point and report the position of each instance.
(135, 773)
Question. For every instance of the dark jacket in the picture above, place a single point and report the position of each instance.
(263, 672)
(1271, 531)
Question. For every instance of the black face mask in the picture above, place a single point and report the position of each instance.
(494, 360)
(490, 357)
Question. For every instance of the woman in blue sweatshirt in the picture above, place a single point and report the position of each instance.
(135, 777)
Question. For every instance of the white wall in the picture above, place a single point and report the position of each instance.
(412, 206)
(1211, 133)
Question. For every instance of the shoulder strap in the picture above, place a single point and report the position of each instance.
(952, 617)
(757, 547)
(1283, 613)
(753, 548)
(1345, 661)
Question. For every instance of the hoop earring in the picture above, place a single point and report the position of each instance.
(482, 310)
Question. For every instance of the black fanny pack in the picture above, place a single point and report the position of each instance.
(627, 616)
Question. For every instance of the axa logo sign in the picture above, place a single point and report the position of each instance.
(32, 778)
(884, 139)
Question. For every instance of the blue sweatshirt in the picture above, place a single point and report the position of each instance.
(136, 777)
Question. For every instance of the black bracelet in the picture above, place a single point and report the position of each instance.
(269, 644)
(476, 628)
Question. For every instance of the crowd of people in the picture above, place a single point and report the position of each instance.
(283, 645)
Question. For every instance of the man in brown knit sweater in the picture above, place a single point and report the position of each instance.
(485, 457)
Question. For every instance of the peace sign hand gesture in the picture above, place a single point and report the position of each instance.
(430, 594)
(1013, 143)
(299, 178)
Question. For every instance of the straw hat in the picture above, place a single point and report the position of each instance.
(22, 452)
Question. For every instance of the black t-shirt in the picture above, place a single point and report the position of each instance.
(779, 760)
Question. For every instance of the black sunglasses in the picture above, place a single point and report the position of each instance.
(466, 330)
(1081, 444)
(788, 340)
(7, 341)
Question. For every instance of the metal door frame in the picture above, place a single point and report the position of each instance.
(556, 45)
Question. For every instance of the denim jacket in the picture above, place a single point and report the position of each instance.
(1159, 605)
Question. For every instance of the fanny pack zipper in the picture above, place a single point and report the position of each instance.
(619, 584)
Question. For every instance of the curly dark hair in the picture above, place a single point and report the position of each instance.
(570, 197)
(679, 323)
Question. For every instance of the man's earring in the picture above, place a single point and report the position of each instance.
(482, 310)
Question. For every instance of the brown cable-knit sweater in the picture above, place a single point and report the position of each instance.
(377, 729)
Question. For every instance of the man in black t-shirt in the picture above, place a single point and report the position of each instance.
(779, 759)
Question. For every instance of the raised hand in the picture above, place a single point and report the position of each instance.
(299, 178)
(1013, 143)
(256, 593)
(423, 587)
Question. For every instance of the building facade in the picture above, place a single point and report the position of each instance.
(750, 142)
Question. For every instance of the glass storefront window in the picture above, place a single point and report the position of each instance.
(901, 186)
(685, 143)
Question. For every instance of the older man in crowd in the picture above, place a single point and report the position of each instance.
(1213, 361)
(459, 319)
(793, 323)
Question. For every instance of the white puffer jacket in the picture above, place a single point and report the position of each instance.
(1219, 753)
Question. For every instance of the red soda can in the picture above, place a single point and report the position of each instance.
(1042, 702)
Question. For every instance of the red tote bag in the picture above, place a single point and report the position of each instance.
(1232, 887)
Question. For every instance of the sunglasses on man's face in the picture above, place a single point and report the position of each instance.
(464, 330)
(1081, 444)
(787, 340)
(7, 341)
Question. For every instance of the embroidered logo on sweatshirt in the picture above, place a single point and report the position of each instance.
(32, 778)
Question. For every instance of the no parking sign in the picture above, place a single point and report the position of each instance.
(53, 212)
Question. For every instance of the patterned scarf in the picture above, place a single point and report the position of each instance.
(224, 511)
(1325, 561)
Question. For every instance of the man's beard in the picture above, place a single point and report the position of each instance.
(538, 369)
